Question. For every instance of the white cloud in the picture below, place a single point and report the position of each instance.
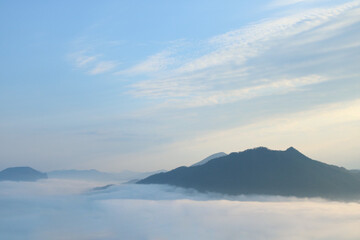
(225, 73)
(84, 60)
(237, 46)
(81, 59)
(201, 96)
(281, 3)
(91, 63)
(268, 88)
(43, 188)
(163, 212)
(153, 63)
(102, 67)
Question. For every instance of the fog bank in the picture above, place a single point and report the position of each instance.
(68, 210)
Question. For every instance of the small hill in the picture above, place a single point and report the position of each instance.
(265, 171)
(21, 174)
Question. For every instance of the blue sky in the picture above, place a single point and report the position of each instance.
(117, 85)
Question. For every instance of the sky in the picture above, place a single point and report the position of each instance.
(143, 86)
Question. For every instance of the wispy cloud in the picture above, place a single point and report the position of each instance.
(152, 64)
(102, 67)
(236, 47)
(81, 59)
(205, 97)
(281, 3)
(225, 72)
(266, 89)
(223, 65)
(91, 63)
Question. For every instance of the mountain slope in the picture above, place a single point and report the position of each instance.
(211, 157)
(21, 174)
(264, 171)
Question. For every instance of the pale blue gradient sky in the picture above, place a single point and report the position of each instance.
(153, 85)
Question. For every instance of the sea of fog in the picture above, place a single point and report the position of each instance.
(63, 209)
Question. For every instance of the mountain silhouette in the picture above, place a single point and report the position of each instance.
(264, 171)
(211, 157)
(21, 174)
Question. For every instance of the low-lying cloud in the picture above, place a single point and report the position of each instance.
(45, 210)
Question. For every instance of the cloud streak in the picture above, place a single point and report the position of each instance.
(102, 67)
(91, 63)
(152, 64)
(282, 3)
(225, 71)
(266, 89)
(81, 59)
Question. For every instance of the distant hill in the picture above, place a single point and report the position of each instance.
(264, 171)
(95, 175)
(21, 174)
(211, 157)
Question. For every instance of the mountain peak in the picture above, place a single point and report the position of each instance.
(21, 174)
(294, 152)
(291, 149)
(260, 148)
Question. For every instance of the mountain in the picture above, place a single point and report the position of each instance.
(211, 157)
(21, 174)
(356, 173)
(95, 175)
(264, 171)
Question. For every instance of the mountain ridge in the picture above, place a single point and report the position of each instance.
(264, 171)
(211, 157)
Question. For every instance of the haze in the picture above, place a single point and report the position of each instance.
(59, 209)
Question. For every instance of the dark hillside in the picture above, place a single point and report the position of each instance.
(264, 171)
